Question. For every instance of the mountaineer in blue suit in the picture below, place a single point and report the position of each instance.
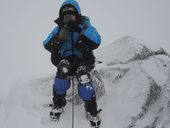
(71, 44)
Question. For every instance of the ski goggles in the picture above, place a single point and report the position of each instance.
(68, 9)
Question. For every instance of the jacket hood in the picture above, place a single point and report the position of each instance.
(72, 3)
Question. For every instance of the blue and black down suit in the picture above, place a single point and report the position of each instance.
(76, 55)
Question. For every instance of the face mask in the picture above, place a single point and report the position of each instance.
(68, 18)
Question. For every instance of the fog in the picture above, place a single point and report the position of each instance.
(25, 24)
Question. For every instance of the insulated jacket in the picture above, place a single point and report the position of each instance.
(89, 37)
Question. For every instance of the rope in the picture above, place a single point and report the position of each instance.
(72, 65)
(72, 101)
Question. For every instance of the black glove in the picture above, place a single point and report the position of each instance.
(74, 26)
(64, 34)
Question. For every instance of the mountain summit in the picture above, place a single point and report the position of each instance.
(133, 84)
(126, 49)
(137, 84)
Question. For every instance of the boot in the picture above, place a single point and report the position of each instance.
(95, 121)
(92, 114)
(55, 113)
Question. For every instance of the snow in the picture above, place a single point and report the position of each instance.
(132, 98)
(127, 82)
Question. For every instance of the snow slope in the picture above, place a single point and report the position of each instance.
(137, 86)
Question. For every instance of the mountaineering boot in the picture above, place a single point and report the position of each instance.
(95, 120)
(55, 113)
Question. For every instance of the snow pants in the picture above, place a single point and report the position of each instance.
(85, 85)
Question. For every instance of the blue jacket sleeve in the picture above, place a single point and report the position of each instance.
(51, 39)
(91, 36)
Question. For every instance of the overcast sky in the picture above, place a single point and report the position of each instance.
(25, 24)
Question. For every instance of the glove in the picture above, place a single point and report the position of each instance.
(64, 34)
(74, 26)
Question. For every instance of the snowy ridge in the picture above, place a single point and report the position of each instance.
(145, 74)
(127, 49)
(132, 84)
